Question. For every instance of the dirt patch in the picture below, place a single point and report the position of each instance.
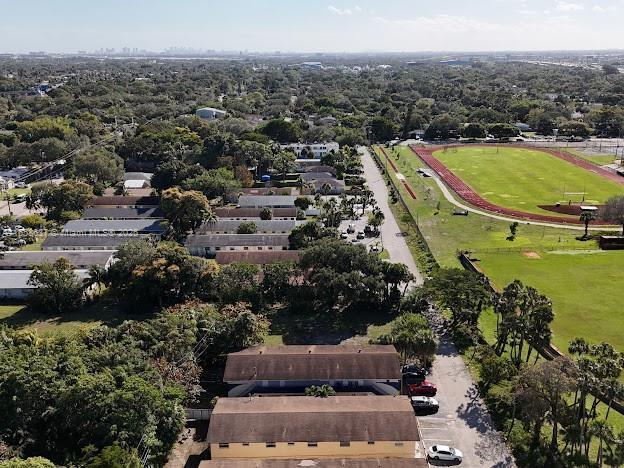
(531, 254)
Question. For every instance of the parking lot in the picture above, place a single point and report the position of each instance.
(360, 224)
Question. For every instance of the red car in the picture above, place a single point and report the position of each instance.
(424, 388)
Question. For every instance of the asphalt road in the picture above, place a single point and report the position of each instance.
(462, 420)
(391, 235)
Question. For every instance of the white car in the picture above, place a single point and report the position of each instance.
(444, 452)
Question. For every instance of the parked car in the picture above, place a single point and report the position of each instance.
(424, 388)
(7, 231)
(424, 403)
(414, 368)
(446, 453)
(344, 235)
(360, 235)
(355, 240)
(20, 228)
(21, 185)
(375, 249)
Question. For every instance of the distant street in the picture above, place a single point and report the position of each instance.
(463, 420)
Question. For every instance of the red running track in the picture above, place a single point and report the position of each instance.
(469, 195)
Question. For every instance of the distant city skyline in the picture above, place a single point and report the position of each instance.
(69, 26)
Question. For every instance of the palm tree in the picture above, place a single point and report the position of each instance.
(32, 203)
(366, 198)
(604, 432)
(96, 277)
(377, 219)
(326, 189)
(587, 217)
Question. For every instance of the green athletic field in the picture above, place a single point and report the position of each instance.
(584, 287)
(523, 178)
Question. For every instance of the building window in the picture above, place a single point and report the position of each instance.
(345, 443)
(291, 443)
(312, 444)
(217, 248)
(245, 248)
(398, 444)
(270, 444)
(371, 442)
(224, 446)
(245, 444)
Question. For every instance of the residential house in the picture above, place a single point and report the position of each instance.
(254, 213)
(210, 113)
(207, 245)
(316, 463)
(301, 427)
(322, 181)
(374, 368)
(262, 201)
(68, 242)
(17, 267)
(256, 257)
(316, 150)
(115, 226)
(124, 201)
(97, 212)
(24, 260)
(225, 226)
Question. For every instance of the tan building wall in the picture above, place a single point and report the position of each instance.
(382, 449)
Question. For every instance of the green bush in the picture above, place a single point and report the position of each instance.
(33, 221)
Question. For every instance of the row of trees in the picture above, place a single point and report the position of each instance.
(552, 411)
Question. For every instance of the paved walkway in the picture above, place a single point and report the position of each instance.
(462, 421)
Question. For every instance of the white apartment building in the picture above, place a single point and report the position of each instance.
(318, 149)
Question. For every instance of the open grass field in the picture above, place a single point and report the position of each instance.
(20, 317)
(596, 158)
(523, 179)
(583, 286)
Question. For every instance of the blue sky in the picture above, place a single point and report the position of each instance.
(311, 25)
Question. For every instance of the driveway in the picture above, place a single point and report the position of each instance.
(462, 420)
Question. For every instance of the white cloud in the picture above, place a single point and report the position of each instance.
(339, 11)
(568, 6)
(442, 23)
(603, 9)
(358, 9)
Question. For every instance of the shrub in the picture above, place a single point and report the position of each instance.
(33, 221)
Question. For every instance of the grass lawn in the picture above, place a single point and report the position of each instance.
(100, 313)
(523, 179)
(15, 191)
(585, 289)
(599, 159)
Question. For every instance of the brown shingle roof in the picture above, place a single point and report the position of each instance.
(257, 258)
(318, 463)
(313, 362)
(311, 419)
